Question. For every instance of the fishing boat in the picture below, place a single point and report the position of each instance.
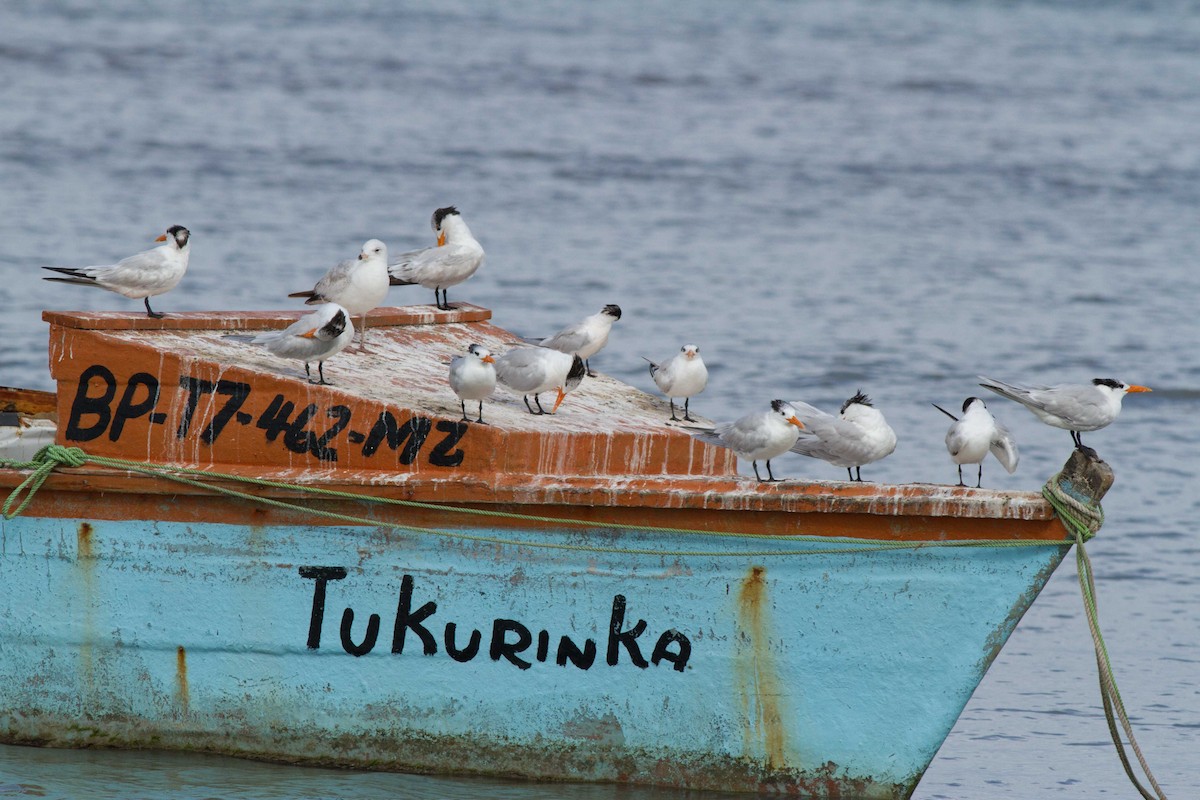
(220, 556)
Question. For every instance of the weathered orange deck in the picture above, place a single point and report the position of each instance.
(183, 390)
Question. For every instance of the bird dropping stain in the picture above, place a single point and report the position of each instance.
(756, 677)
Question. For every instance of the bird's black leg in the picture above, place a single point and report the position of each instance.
(756, 475)
(770, 475)
(960, 480)
(849, 473)
(1077, 438)
(525, 397)
(463, 403)
(588, 366)
(538, 401)
(859, 471)
(307, 373)
(979, 480)
(672, 402)
(321, 372)
(686, 416)
(150, 312)
(480, 420)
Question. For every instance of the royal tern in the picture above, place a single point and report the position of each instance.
(682, 375)
(456, 258)
(533, 370)
(357, 285)
(314, 337)
(585, 338)
(473, 377)
(857, 435)
(977, 432)
(761, 435)
(1072, 407)
(142, 276)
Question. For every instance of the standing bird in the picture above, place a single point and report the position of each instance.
(456, 258)
(858, 435)
(473, 377)
(762, 435)
(977, 432)
(142, 276)
(682, 375)
(358, 285)
(533, 370)
(1072, 407)
(314, 337)
(585, 338)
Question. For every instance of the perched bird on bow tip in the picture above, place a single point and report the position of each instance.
(585, 338)
(857, 435)
(314, 337)
(455, 258)
(682, 375)
(357, 285)
(533, 370)
(141, 276)
(759, 436)
(473, 377)
(1072, 407)
(975, 434)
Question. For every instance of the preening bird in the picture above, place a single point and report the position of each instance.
(533, 370)
(141, 276)
(682, 375)
(357, 285)
(455, 258)
(314, 337)
(971, 437)
(1072, 407)
(857, 435)
(585, 338)
(761, 435)
(473, 377)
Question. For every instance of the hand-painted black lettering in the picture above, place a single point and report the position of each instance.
(274, 419)
(468, 652)
(86, 404)
(543, 645)
(320, 444)
(127, 408)
(618, 637)
(411, 434)
(322, 576)
(678, 659)
(237, 393)
(569, 651)
(195, 387)
(502, 648)
(368, 642)
(441, 455)
(406, 618)
(296, 438)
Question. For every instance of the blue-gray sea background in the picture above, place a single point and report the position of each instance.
(824, 196)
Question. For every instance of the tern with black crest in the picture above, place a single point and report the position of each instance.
(856, 435)
(682, 375)
(314, 337)
(760, 436)
(473, 377)
(357, 285)
(975, 434)
(533, 370)
(456, 258)
(1072, 407)
(585, 338)
(141, 276)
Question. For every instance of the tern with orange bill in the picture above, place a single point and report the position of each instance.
(533, 370)
(682, 375)
(1072, 407)
(473, 377)
(141, 276)
(456, 258)
(759, 436)
(314, 337)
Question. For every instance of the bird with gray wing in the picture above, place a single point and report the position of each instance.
(1072, 407)
(975, 434)
(585, 338)
(314, 337)
(682, 375)
(762, 435)
(533, 370)
(456, 258)
(473, 377)
(357, 285)
(857, 435)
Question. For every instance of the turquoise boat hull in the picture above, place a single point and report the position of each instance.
(829, 671)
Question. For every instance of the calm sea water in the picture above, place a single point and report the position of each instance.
(825, 197)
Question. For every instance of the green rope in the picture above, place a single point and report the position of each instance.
(1082, 520)
(52, 456)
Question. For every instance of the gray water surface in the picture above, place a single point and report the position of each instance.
(825, 197)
